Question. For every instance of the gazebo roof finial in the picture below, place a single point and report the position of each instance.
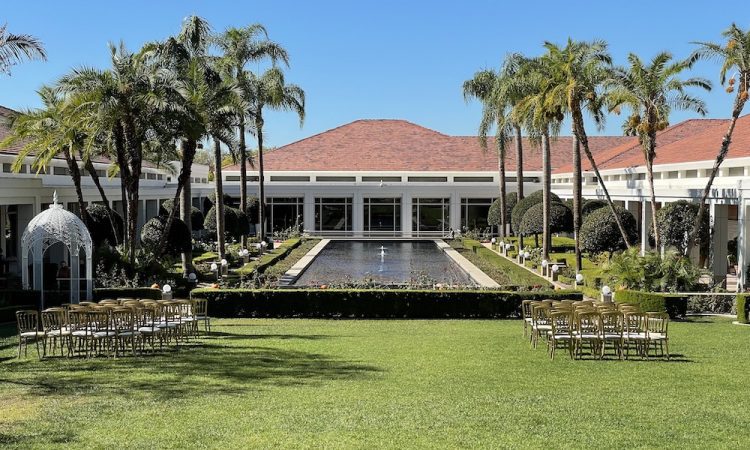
(54, 198)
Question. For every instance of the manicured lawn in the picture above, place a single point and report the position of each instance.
(397, 384)
(504, 272)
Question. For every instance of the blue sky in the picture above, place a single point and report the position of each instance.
(373, 59)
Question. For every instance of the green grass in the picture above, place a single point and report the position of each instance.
(267, 258)
(278, 269)
(504, 272)
(205, 257)
(374, 384)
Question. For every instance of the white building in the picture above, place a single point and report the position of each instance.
(395, 178)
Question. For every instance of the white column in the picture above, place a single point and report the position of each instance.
(719, 236)
(455, 209)
(743, 242)
(406, 218)
(358, 212)
(308, 211)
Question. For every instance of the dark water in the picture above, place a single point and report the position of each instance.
(404, 262)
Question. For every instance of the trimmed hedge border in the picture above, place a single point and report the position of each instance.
(370, 303)
(115, 293)
(743, 308)
(12, 300)
(285, 248)
(674, 305)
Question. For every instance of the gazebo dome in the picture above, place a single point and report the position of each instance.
(48, 228)
(56, 224)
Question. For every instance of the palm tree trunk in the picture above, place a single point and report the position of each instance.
(219, 205)
(501, 168)
(546, 194)
(652, 194)
(95, 178)
(580, 133)
(243, 175)
(577, 200)
(519, 163)
(75, 174)
(261, 181)
(739, 105)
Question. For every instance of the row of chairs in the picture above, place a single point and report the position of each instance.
(111, 326)
(595, 326)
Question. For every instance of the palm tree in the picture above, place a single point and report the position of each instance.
(734, 56)
(542, 113)
(577, 72)
(123, 104)
(487, 87)
(16, 47)
(47, 133)
(198, 100)
(270, 90)
(239, 47)
(651, 91)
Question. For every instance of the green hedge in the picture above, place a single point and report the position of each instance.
(114, 293)
(12, 300)
(270, 259)
(743, 308)
(370, 303)
(674, 305)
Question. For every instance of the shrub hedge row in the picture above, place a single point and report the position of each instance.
(12, 300)
(114, 293)
(270, 259)
(370, 303)
(674, 305)
(743, 308)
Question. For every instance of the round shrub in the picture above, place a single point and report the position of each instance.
(196, 216)
(676, 221)
(235, 222)
(178, 239)
(105, 225)
(560, 219)
(208, 202)
(521, 207)
(592, 205)
(493, 215)
(599, 232)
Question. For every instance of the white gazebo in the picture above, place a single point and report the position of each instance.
(48, 228)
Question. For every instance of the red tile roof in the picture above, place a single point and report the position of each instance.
(680, 138)
(398, 145)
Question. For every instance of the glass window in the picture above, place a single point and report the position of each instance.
(383, 179)
(428, 179)
(430, 214)
(474, 213)
(474, 179)
(336, 179)
(333, 214)
(736, 171)
(285, 212)
(289, 178)
(10, 228)
(382, 214)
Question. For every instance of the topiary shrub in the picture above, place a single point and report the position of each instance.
(493, 215)
(590, 206)
(235, 222)
(743, 308)
(599, 232)
(208, 202)
(105, 225)
(196, 216)
(560, 219)
(675, 306)
(521, 207)
(178, 239)
(676, 220)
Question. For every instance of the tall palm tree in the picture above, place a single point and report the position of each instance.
(47, 133)
(542, 113)
(198, 99)
(121, 103)
(270, 90)
(239, 47)
(486, 86)
(735, 61)
(16, 47)
(578, 71)
(651, 91)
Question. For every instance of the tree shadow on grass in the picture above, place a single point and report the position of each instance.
(207, 368)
